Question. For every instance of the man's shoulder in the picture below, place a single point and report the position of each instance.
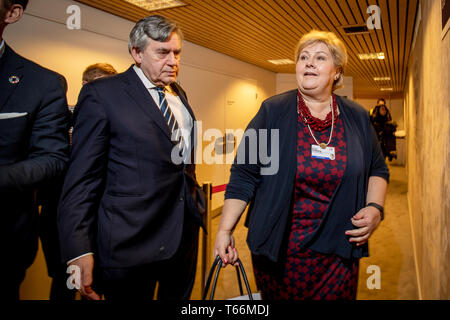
(33, 69)
(104, 83)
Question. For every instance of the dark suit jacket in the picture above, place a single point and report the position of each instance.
(33, 148)
(123, 197)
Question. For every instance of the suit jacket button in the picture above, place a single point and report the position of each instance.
(162, 248)
(181, 199)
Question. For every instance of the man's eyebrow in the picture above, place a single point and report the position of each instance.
(167, 50)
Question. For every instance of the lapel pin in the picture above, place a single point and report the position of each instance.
(14, 79)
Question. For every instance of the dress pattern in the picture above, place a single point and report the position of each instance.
(306, 274)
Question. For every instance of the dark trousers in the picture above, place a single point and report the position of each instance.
(59, 290)
(175, 276)
(11, 280)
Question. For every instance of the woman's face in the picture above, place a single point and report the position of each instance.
(315, 70)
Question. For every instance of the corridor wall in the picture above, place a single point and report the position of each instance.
(427, 123)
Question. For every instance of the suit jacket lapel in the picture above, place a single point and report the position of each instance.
(139, 93)
(11, 65)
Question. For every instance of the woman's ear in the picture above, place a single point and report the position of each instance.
(338, 73)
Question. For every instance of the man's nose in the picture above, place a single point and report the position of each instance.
(172, 59)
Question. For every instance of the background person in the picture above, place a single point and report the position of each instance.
(97, 71)
(309, 224)
(385, 128)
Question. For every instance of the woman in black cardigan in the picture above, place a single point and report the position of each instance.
(309, 222)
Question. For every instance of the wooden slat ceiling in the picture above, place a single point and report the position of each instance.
(255, 31)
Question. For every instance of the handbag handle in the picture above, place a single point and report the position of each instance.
(216, 267)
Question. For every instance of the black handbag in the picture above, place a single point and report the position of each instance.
(217, 265)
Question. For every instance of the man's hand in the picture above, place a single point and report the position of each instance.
(86, 265)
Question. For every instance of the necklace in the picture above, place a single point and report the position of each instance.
(322, 145)
(315, 123)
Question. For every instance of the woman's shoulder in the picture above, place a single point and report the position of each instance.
(281, 98)
(352, 108)
(279, 103)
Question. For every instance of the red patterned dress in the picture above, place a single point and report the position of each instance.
(306, 274)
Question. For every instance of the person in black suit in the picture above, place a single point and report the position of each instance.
(34, 149)
(130, 200)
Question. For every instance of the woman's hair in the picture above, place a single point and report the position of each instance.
(153, 27)
(334, 44)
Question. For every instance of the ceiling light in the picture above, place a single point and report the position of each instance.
(387, 89)
(282, 61)
(381, 78)
(153, 5)
(373, 55)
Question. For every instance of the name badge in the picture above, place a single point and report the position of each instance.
(318, 153)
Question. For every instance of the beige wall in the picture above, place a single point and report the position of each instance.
(427, 122)
(224, 92)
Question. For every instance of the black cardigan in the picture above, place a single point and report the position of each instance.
(271, 196)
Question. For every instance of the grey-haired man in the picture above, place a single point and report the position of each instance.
(128, 203)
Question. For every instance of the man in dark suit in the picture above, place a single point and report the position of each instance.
(48, 197)
(33, 149)
(129, 200)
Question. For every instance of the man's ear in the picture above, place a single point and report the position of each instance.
(13, 14)
(137, 55)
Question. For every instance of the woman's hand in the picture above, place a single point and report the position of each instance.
(224, 248)
(366, 220)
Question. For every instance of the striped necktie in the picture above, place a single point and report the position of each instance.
(170, 119)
